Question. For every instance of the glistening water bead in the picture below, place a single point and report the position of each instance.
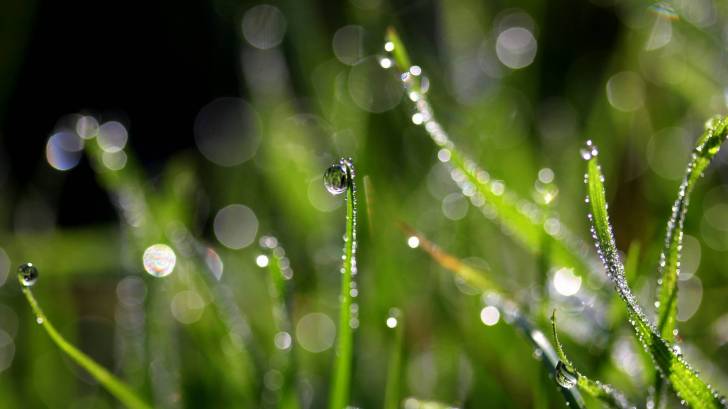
(337, 179)
(564, 376)
(27, 274)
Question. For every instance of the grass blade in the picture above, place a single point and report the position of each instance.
(525, 221)
(671, 365)
(280, 272)
(669, 268)
(339, 178)
(112, 384)
(605, 393)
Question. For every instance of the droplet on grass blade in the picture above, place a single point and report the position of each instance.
(27, 274)
(336, 179)
(565, 376)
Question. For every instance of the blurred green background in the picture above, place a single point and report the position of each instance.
(218, 120)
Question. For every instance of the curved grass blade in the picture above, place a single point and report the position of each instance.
(395, 321)
(707, 147)
(520, 218)
(671, 365)
(112, 384)
(477, 279)
(605, 393)
(339, 178)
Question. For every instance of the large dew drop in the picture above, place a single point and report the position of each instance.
(336, 179)
(27, 274)
(564, 376)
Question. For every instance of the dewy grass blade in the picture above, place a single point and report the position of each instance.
(523, 220)
(112, 384)
(566, 374)
(669, 268)
(340, 178)
(670, 363)
(477, 279)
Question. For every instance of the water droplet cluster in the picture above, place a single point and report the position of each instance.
(663, 354)
(485, 193)
(339, 178)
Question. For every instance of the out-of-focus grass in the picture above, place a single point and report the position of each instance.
(512, 121)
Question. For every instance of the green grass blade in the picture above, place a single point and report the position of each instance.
(339, 397)
(671, 365)
(605, 393)
(520, 218)
(279, 273)
(394, 371)
(669, 268)
(112, 384)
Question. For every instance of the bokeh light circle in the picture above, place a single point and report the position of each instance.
(373, 88)
(63, 150)
(235, 226)
(227, 131)
(159, 260)
(315, 332)
(264, 26)
(112, 136)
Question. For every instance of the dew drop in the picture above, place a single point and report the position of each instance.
(565, 376)
(336, 179)
(27, 274)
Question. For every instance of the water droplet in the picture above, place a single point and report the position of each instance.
(262, 260)
(336, 179)
(565, 376)
(27, 274)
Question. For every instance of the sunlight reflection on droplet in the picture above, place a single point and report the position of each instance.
(112, 136)
(236, 226)
(159, 260)
(348, 44)
(626, 91)
(262, 260)
(372, 88)
(413, 242)
(566, 282)
(315, 332)
(63, 150)
(516, 47)
(227, 131)
(187, 307)
(391, 322)
(490, 315)
(264, 26)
